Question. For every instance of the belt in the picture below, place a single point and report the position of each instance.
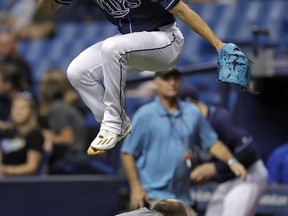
(165, 27)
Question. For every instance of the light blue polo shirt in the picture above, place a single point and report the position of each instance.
(159, 142)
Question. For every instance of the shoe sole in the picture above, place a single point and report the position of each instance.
(93, 152)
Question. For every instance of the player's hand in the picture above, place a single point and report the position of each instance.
(138, 198)
(239, 170)
(203, 172)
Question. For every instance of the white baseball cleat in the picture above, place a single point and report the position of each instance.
(127, 131)
(106, 140)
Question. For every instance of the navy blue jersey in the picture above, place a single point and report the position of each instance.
(136, 15)
(228, 133)
(235, 138)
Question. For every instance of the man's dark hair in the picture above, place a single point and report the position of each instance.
(170, 207)
(52, 90)
(10, 73)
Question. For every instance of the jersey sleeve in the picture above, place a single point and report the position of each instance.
(35, 141)
(223, 173)
(167, 4)
(63, 2)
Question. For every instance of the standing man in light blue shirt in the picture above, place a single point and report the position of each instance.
(157, 155)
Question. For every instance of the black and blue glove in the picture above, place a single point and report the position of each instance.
(234, 66)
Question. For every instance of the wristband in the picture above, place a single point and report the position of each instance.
(231, 161)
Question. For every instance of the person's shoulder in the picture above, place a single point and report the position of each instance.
(219, 112)
(36, 132)
(189, 107)
(217, 108)
(146, 108)
(61, 106)
(283, 149)
(58, 108)
(58, 103)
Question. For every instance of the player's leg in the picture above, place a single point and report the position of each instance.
(215, 205)
(258, 177)
(155, 51)
(243, 198)
(85, 75)
(235, 202)
(145, 51)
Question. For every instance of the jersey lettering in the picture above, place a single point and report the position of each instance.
(118, 8)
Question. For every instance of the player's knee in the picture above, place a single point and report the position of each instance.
(73, 74)
(110, 47)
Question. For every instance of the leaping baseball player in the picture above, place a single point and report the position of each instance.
(148, 39)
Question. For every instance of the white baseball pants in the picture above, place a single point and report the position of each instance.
(236, 197)
(112, 60)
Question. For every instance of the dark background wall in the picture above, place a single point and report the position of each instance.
(60, 196)
(98, 195)
(265, 114)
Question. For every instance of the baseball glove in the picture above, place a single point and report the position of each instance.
(233, 66)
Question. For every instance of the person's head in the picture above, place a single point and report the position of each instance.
(189, 93)
(8, 45)
(170, 207)
(9, 79)
(51, 90)
(24, 111)
(58, 75)
(167, 83)
(70, 95)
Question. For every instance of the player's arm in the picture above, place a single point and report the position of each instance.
(46, 8)
(29, 168)
(64, 137)
(220, 151)
(138, 196)
(203, 172)
(196, 23)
